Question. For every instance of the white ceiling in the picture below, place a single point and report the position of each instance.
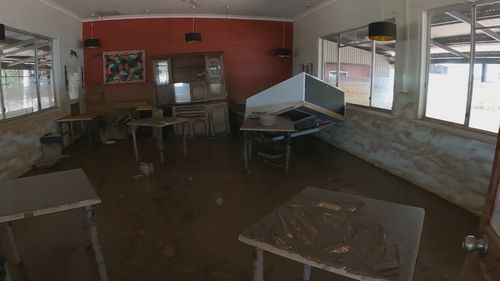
(246, 8)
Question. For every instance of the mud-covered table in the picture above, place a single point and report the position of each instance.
(159, 123)
(46, 194)
(353, 236)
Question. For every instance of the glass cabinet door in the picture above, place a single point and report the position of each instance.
(162, 72)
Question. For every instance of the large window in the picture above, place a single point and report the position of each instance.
(27, 77)
(366, 68)
(463, 84)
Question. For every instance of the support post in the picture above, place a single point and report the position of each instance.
(96, 245)
(258, 265)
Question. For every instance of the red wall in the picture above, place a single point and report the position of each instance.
(248, 46)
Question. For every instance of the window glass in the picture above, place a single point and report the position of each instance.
(447, 87)
(355, 64)
(45, 73)
(22, 83)
(383, 75)
(454, 94)
(357, 52)
(330, 61)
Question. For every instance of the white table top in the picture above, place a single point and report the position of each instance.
(44, 194)
(353, 236)
(282, 125)
(157, 122)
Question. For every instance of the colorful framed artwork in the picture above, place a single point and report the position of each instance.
(124, 66)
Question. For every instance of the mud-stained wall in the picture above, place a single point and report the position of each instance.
(454, 163)
(19, 137)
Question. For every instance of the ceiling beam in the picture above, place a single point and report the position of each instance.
(461, 17)
(17, 44)
(20, 62)
(40, 45)
(449, 49)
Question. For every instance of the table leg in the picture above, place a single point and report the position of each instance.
(245, 149)
(250, 145)
(96, 245)
(70, 127)
(160, 145)
(307, 272)
(61, 132)
(184, 137)
(258, 265)
(12, 242)
(4, 270)
(134, 138)
(287, 151)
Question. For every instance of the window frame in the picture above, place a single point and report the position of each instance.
(36, 38)
(372, 65)
(472, 61)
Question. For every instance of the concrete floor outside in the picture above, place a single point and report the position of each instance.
(169, 227)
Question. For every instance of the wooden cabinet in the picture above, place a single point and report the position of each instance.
(202, 73)
(193, 85)
(198, 92)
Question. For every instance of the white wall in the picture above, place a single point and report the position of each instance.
(19, 138)
(451, 162)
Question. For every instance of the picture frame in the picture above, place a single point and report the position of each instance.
(124, 66)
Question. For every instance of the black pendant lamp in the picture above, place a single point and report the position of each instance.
(382, 31)
(92, 42)
(2, 32)
(283, 52)
(193, 37)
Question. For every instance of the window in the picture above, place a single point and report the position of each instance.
(463, 84)
(27, 77)
(366, 69)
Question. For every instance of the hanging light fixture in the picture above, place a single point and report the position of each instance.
(92, 42)
(2, 32)
(193, 37)
(382, 30)
(283, 52)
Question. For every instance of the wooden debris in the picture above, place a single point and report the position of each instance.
(280, 241)
(285, 227)
(305, 221)
(329, 206)
(340, 249)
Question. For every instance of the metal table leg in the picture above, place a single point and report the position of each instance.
(245, 149)
(307, 272)
(184, 137)
(134, 138)
(258, 265)
(12, 242)
(250, 145)
(161, 145)
(287, 151)
(4, 269)
(96, 245)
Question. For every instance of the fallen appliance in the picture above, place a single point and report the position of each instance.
(309, 102)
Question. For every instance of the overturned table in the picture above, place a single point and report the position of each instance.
(45, 194)
(353, 236)
(159, 123)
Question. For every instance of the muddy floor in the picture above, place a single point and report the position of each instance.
(183, 222)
